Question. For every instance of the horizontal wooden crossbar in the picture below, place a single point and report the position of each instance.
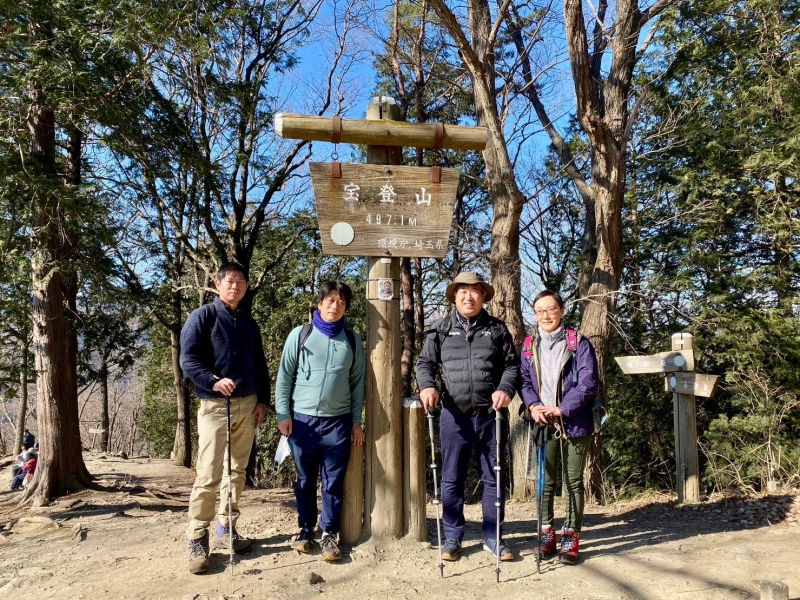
(373, 132)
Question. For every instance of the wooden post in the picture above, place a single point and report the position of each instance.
(686, 463)
(414, 492)
(353, 501)
(383, 514)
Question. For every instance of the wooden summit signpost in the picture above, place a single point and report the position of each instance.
(384, 212)
(677, 367)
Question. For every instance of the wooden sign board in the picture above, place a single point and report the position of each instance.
(663, 362)
(691, 383)
(384, 210)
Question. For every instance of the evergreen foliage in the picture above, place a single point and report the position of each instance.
(714, 239)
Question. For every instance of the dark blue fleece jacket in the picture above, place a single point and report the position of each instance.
(216, 344)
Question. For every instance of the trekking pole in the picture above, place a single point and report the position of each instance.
(429, 414)
(498, 420)
(540, 502)
(541, 434)
(231, 562)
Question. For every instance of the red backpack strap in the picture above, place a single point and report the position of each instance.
(572, 344)
(526, 348)
(572, 340)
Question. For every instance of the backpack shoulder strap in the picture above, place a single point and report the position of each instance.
(442, 331)
(210, 313)
(498, 334)
(301, 339)
(305, 331)
(572, 340)
(527, 347)
(209, 320)
(351, 338)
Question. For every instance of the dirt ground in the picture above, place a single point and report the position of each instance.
(128, 542)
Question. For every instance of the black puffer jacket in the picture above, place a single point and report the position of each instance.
(473, 367)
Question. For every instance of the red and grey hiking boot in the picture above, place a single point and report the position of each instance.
(569, 547)
(547, 545)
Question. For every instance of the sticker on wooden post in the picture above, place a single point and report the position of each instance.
(385, 289)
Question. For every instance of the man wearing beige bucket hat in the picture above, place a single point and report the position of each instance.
(479, 366)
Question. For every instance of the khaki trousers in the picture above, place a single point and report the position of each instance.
(212, 460)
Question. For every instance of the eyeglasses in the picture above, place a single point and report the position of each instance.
(549, 311)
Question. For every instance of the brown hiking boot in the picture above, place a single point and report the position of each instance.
(330, 548)
(198, 555)
(220, 540)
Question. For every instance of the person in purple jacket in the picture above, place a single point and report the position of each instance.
(559, 383)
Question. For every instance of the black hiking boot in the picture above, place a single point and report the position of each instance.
(304, 541)
(451, 549)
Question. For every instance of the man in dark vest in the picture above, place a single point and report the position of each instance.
(480, 375)
(223, 355)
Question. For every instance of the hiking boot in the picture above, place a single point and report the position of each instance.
(489, 544)
(330, 548)
(220, 540)
(198, 554)
(547, 544)
(451, 549)
(303, 541)
(569, 547)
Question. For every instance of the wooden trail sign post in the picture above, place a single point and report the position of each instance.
(676, 366)
(384, 212)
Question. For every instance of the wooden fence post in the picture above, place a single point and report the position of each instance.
(353, 500)
(687, 475)
(414, 492)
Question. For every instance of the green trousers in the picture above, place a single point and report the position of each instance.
(573, 461)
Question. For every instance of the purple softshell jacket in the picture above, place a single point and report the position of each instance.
(576, 399)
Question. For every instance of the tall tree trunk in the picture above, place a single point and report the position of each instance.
(407, 357)
(182, 447)
(588, 254)
(419, 307)
(60, 468)
(104, 422)
(603, 114)
(23, 395)
(600, 301)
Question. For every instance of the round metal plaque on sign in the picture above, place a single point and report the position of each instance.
(679, 361)
(673, 382)
(342, 233)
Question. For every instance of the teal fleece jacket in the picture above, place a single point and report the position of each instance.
(330, 381)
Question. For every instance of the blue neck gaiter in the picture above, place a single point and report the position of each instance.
(329, 329)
